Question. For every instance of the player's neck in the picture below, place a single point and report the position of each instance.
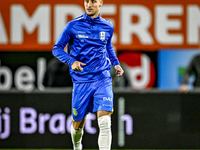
(95, 15)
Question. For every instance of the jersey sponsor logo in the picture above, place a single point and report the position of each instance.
(102, 36)
(107, 99)
(75, 112)
(81, 32)
(107, 105)
(81, 36)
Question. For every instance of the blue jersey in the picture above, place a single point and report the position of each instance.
(89, 41)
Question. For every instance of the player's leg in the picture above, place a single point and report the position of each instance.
(105, 136)
(77, 133)
(78, 124)
(103, 104)
(81, 97)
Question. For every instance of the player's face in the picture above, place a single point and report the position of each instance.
(92, 7)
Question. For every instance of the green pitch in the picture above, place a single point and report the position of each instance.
(97, 149)
(71, 149)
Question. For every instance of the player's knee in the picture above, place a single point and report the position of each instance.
(78, 125)
(104, 123)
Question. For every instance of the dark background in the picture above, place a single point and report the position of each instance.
(161, 120)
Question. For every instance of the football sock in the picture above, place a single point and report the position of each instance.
(76, 136)
(105, 136)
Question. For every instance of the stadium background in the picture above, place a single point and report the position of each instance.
(155, 40)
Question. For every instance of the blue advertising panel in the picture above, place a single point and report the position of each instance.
(171, 67)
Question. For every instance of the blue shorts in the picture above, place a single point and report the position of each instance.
(91, 97)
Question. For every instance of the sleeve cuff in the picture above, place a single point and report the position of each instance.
(72, 60)
(116, 63)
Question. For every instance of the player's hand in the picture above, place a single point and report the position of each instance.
(76, 66)
(119, 70)
(184, 88)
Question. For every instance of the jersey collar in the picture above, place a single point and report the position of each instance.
(88, 18)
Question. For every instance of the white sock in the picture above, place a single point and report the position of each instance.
(105, 135)
(76, 136)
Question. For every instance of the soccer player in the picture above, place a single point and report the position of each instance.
(193, 68)
(90, 54)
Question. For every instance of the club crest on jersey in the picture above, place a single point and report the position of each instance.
(102, 36)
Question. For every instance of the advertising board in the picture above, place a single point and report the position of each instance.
(34, 25)
(141, 120)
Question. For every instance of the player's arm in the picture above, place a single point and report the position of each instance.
(184, 85)
(58, 48)
(113, 57)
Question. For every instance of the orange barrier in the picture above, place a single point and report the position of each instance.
(139, 25)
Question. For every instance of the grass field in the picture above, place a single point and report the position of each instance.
(71, 149)
(97, 149)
